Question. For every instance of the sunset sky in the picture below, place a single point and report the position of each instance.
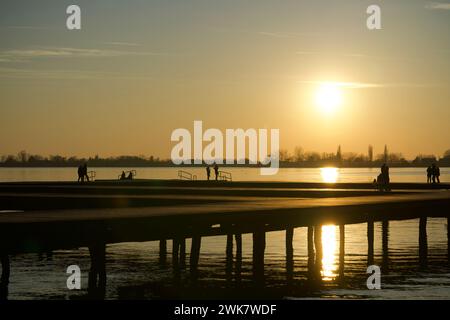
(139, 69)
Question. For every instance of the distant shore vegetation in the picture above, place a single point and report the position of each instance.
(296, 159)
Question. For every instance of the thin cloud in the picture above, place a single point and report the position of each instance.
(287, 34)
(19, 73)
(366, 85)
(438, 6)
(351, 55)
(27, 27)
(349, 85)
(122, 44)
(23, 55)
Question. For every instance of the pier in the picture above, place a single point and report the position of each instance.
(41, 217)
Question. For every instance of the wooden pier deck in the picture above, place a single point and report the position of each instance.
(40, 217)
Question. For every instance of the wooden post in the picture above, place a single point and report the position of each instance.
(195, 255)
(163, 252)
(238, 267)
(341, 250)
(229, 256)
(370, 238)
(259, 245)
(6, 269)
(97, 273)
(175, 249)
(311, 252)
(289, 253)
(318, 247)
(385, 244)
(183, 252)
(4, 280)
(423, 242)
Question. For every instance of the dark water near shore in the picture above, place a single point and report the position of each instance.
(134, 272)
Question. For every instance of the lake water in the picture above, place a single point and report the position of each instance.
(239, 174)
(134, 272)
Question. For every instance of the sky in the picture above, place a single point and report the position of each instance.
(137, 70)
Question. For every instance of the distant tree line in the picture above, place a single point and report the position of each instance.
(298, 158)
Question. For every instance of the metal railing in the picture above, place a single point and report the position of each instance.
(184, 175)
(129, 175)
(91, 175)
(225, 176)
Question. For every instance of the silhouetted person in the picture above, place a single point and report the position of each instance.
(80, 173)
(429, 174)
(208, 172)
(216, 171)
(122, 176)
(383, 178)
(436, 172)
(130, 176)
(85, 172)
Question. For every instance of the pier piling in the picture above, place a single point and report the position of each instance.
(289, 253)
(238, 266)
(183, 252)
(370, 239)
(259, 245)
(163, 252)
(341, 250)
(97, 272)
(385, 244)
(4, 280)
(311, 257)
(423, 242)
(195, 255)
(229, 256)
(318, 248)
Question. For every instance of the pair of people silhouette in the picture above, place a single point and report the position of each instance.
(123, 176)
(83, 173)
(216, 171)
(433, 173)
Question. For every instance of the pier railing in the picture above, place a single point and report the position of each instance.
(91, 175)
(184, 175)
(225, 176)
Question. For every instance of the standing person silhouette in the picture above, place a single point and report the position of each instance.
(429, 174)
(80, 173)
(85, 172)
(216, 171)
(434, 172)
(438, 173)
(208, 172)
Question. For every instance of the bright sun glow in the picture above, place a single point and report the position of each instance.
(329, 175)
(328, 97)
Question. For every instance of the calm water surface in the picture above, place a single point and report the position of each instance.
(133, 270)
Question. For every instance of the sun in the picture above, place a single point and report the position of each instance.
(328, 97)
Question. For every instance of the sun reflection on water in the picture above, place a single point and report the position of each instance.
(329, 246)
(329, 175)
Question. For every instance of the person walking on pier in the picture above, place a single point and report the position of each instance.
(216, 171)
(80, 173)
(429, 174)
(85, 172)
(208, 172)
